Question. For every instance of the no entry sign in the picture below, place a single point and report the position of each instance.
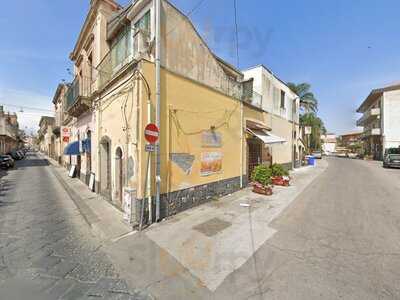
(151, 133)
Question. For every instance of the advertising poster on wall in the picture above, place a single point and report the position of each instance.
(65, 133)
(211, 139)
(211, 163)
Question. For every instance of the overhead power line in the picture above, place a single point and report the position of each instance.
(27, 107)
(236, 33)
(188, 14)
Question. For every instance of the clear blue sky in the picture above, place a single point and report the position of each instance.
(342, 48)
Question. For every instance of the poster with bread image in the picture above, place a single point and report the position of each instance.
(211, 163)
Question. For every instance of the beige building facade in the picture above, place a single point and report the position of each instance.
(9, 131)
(46, 137)
(207, 112)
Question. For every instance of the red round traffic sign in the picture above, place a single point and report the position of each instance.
(151, 133)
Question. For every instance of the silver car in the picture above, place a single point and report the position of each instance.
(317, 154)
(392, 158)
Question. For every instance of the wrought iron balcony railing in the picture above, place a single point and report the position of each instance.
(120, 56)
(78, 96)
(253, 98)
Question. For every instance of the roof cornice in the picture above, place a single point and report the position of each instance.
(90, 18)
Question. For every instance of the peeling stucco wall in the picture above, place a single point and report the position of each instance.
(185, 53)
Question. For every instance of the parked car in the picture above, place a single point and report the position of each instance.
(6, 161)
(21, 153)
(317, 154)
(17, 155)
(352, 155)
(391, 158)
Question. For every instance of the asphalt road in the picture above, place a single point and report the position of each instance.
(340, 239)
(47, 250)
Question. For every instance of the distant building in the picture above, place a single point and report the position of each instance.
(59, 105)
(280, 107)
(380, 120)
(46, 136)
(329, 142)
(351, 139)
(9, 131)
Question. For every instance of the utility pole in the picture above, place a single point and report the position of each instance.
(158, 104)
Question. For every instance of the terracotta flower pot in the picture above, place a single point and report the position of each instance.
(263, 190)
(280, 180)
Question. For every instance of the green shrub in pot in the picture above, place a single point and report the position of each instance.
(262, 174)
(278, 170)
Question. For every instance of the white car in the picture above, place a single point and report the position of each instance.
(352, 155)
(317, 154)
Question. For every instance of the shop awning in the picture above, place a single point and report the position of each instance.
(267, 137)
(72, 148)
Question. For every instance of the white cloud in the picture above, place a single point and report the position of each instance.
(27, 105)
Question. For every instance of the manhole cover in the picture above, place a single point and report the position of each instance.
(212, 226)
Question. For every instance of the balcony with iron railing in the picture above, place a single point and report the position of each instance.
(371, 131)
(369, 116)
(253, 98)
(78, 96)
(120, 56)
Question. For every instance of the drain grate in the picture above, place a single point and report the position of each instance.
(212, 226)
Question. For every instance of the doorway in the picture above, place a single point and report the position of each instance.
(254, 155)
(78, 165)
(105, 167)
(88, 153)
(118, 176)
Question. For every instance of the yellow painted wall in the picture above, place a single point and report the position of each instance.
(281, 153)
(196, 108)
(117, 116)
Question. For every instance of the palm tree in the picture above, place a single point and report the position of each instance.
(308, 102)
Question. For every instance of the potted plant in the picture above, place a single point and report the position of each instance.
(261, 177)
(280, 176)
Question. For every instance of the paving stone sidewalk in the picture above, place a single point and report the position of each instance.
(47, 249)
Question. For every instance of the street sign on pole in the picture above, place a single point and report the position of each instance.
(151, 133)
(150, 148)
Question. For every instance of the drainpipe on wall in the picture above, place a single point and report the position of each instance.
(158, 104)
(294, 109)
(241, 144)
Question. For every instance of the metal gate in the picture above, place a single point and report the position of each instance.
(254, 155)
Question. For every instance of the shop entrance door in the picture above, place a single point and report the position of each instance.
(254, 155)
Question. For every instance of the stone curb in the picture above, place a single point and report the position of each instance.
(86, 212)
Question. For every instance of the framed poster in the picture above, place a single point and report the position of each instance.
(211, 163)
(72, 171)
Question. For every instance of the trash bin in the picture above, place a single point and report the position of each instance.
(311, 160)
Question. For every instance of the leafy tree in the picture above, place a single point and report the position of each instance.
(317, 128)
(308, 102)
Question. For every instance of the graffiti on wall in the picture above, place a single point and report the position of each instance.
(183, 160)
(211, 163)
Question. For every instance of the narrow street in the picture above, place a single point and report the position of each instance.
(338, 240)
(47, 250)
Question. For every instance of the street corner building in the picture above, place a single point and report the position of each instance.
(216, 122)
(380, 121)
(10, 135)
